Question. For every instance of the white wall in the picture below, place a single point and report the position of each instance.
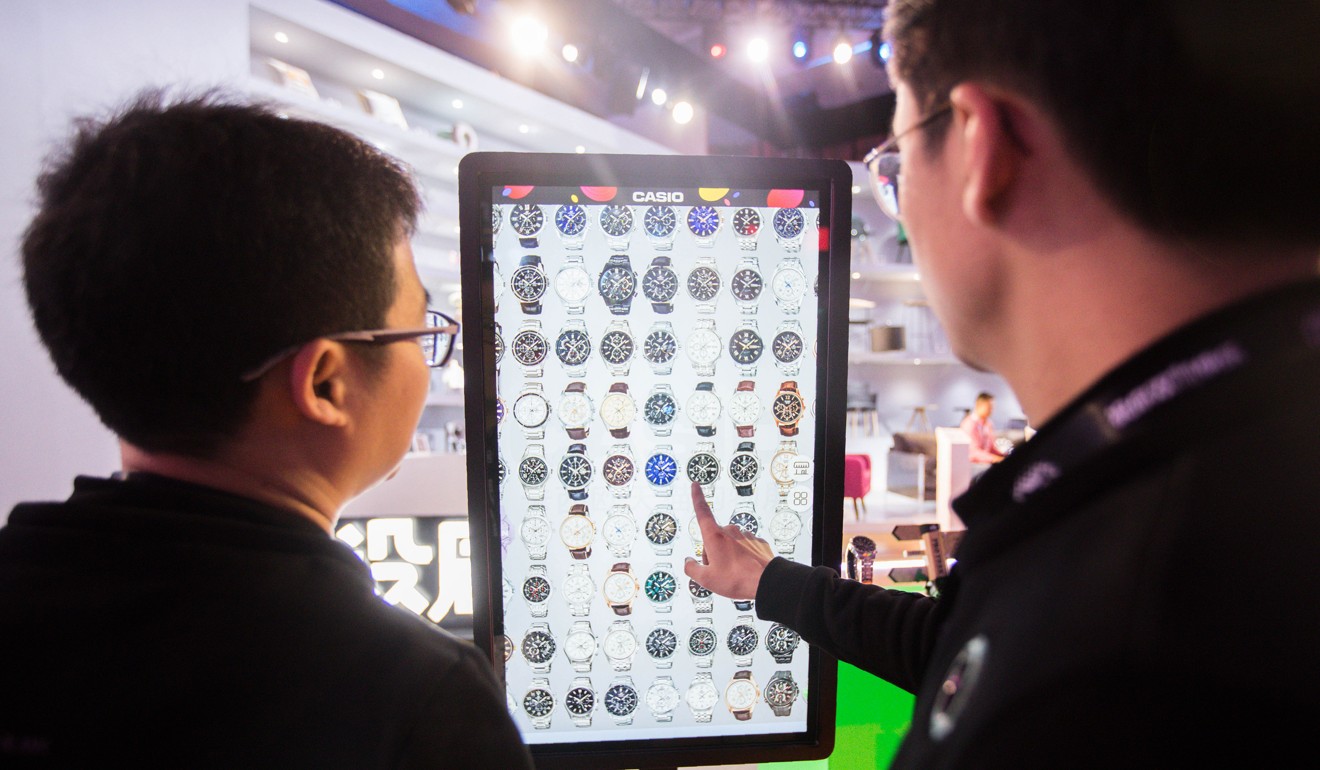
(58, 59)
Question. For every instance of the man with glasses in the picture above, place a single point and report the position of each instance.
(1113, 204)
(234, 293)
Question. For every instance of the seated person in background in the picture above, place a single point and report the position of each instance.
(234, 294)
(981, 431)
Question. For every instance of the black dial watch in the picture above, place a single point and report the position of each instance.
(660, 223)
(618, 284)
(527, 219)
(528, 283)
(703, 285)
(744, 469)
(746, 226)
(617, 223)
(746, 285)
(660, 284)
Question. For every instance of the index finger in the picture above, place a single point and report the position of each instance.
(705, 519)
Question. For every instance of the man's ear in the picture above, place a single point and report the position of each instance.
(316, 382)
(993, 150)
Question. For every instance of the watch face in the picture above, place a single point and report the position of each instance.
(703, 283)
(617, 284)
(579, 645)
(526, 219)
(662, 697)
(743, 640)
(578, 589)
(539, 702)
(703, 346)
(788, 407)
(538, 646)
(781, 692)
(575, 471)
(495, 218)
(746, 284)
(659, 221)
(740, 695)
(506, 646)
(574, 410)
(745, 521)
(620, 644)
(536, 589)
(502, 470)
(703, 468)
(531, 410)
(621, 700)
(660, 586)
(661, 528)
(702, 641)
(573, 285)
(528, 283)
(535, 530)
(533, 471)
(781, 639)
(702, 696)
(661, 643)
(787, 346)
(703, 221)
(661, 469)
(746, 222)
(617, 470)
(530, 347)
(616, 221)
(744, 407)
(660, 283)
(746, 346)
(580, 701)
(744, 467)
(571, 219)
(617, 347)
(499, 347)
(576, 531)
(660, 346)
(499, 410)
(617, 410)
(660, 409)
(703, 407)
(789, 284)
(785, 525)
(619, 588)
(698, 590)
(781, 466)
(789, 223)
(619, 530)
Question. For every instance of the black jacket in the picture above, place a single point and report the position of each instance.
(153, 623)
(1139, 584)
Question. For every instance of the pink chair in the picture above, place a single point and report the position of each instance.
(857, 481)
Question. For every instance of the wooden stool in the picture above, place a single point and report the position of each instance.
(919, 417)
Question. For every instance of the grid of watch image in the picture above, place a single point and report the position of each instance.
(640, 349)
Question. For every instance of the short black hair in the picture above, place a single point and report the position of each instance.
(983, 396)
(180, 242)
(1197, 118)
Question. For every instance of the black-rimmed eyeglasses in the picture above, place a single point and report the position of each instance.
(884, 166)
(437, 341)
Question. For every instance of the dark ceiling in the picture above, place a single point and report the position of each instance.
(815, 108)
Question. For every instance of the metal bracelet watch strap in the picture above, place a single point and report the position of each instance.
(577, 575)
(707, 628)
(624, 662)
(580, 660)
(666, 682)
(540, 686)
(535, 532)
(781, 698)
(744, 605)
(617, 305)
(581, 688)
(702, 681)
(538, 603)
(532, 397)
(536, 491)
(528, 328)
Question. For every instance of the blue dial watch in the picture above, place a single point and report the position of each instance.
(789, 225)
(704, 222)
(662, 470)
(571, 222)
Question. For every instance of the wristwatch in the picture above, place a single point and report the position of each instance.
(861, 558)
(577, 530)
(580, 644)
(617, 410)
(660, 587)
(498, 284)
(662, 699)
(662, 643)
(571, 222)
(617, 347)
(703, 347)
(704, 224)
(580, 701)
(538, 647)
(617, 223)
(660, 284)
(496, 217)
(746, 226)
(533, 471)
(704, 467)
(747, 284)
(539, 703)
(744, 469)
(702, 642)
(536, 591)
(742, 640)
(789, 284)
(660, 222)
(621, 645)
(780, 692)
(528, 283)
(702, 696)
(785, 526)
(788, 347)
(575, 410)
(789, 225)
(745, 409)
(698, 541)
(660, 409)
(501, 472)
(741, 695)
(746, 347)
(499, 413)
(787, 467)
(618, 470)
(498, 345)
(703, 284)
(703, 408)
(531, 410)
(621, 700)
(620, 588)
(573, 284)
(744, 518)
(618, 284)
(506, 647)
(578, 590)
(575, 471)
(788, 407)
(781, 641)
(661, 470)
(530, 347)
(660, 347)
(660, 529)
(535, 532)
(527, 219)
(701, 597)
(619, 531)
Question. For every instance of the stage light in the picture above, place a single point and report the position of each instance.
(843, 52)
(659, 97)
(529, 35)
(758, 50)
(801, 47)
(878, 50)
(683, 113)
(570, 53)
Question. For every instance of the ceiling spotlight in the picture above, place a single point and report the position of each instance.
(717, 50)
(843, 52)
(579, 149)
(524, 129)
(570, 53)
(801, 46)
(529, 35)
(659, 97)
(715, 41)
(758, 49)
(457, 104)
(378, 74)
(683, 113)
(280, 37)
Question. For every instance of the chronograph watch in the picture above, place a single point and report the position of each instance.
(660, 224)
(571, 222)
(618, 284)
(660, 284)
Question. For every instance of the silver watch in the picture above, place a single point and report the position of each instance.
(702, 696)
(580, 646)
